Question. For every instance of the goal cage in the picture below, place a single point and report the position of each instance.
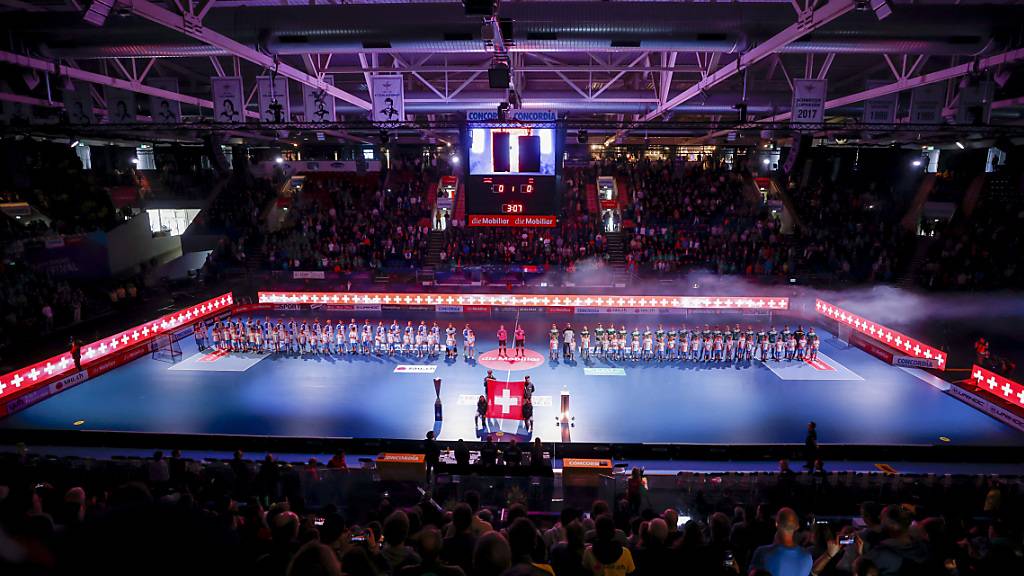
(166, 348)
(842, 333)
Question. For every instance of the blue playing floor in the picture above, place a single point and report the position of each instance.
(855, 398)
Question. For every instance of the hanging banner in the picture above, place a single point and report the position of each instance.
(388, 95)
(273, 95)
(318, 105)
(78, 105)
(228, 101)
(120, 105)
(880, 110)
(974, 106)
(808, 101)
(926, 103)
(163, 110)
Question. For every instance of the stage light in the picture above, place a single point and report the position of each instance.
(74, 143)
(455, 159)
(916, 163)
(279, 160)
(959, 144)
(135, 160)
(766, 161)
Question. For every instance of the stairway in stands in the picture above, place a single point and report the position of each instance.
(435, 242)
(617, 258)
(917, 261)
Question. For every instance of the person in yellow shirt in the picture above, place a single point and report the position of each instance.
(606, 557)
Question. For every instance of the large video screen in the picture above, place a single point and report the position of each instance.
(512, 151)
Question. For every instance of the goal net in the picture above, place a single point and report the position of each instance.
(166, 348)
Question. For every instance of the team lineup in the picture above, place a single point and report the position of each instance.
(707, 344)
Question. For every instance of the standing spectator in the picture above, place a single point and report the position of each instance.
(76, 353)
(811, 445)
(784, 557)
(47, 313)
(432, 453)
(159, 474)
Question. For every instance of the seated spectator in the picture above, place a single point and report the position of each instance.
(492, 555)
(606, 556)
(566, 556)
(523, 541)
(655, 556)
(429, 541)
(314, 559)
(395, 550)
(457, 549)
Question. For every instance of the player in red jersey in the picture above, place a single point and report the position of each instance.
(502, 341)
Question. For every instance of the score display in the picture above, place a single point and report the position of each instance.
(511, 200)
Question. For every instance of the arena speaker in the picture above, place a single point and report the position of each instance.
(529, 153)
(498, 76)
(500, 151)
(479, 7)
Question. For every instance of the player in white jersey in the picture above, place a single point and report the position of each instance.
(470, 344)
(353, 337)
(449, 346)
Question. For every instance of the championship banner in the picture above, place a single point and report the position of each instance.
(880, 110)
(926, 103)
(163, 110)
(318, 105)
(273, 97)
(388, 94)
(887, 336)
(808, 101)
(78, 104)
(505, 399)
(228, 101)
(998, 386)
(120, 105)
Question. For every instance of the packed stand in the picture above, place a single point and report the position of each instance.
(175, 515)
(345, 223)
(981, 251)
(691, 216)
(846, 234)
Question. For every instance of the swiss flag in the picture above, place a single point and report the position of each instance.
(505, 399)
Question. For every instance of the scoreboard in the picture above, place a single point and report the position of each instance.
(513, 174)
(511, 200)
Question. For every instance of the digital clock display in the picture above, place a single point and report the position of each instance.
(512, 208)
(512, 188)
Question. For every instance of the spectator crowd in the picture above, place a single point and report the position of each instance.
(173, 515)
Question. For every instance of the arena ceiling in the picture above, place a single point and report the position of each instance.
(619, 68)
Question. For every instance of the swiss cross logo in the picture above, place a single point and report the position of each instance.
(505, 399)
